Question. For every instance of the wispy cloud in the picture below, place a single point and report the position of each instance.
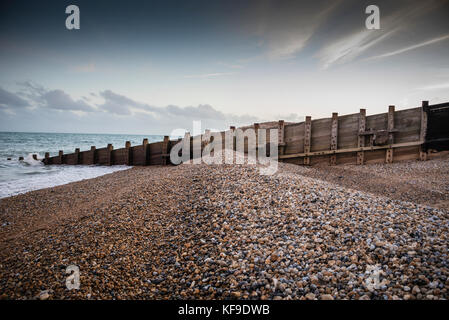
(413, 47)
(437, 86)
(284, 28)
(349, 47)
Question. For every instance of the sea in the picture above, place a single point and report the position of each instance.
(20, 176)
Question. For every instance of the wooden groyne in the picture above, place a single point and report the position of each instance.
(354, 138)
(146, 154)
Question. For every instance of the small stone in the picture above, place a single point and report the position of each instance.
(310, 296)
(44, 295)
(364, 297)
(327, 297)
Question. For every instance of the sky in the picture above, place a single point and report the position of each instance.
(149, 67)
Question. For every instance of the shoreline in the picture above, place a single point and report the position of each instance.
(220, 232)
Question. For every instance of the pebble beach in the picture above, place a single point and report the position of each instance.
(373, 232)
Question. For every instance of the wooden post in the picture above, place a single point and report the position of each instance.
(281, 137)
(256, 130)
(47, 158)
(94, 154)
(77, 156)
(206, 139)
(146, 152)
(61, 156)
(165, 151)
(389, 153)
(361, 139)
(129, 159)
(423, 147)
(110, 148)
(334, 134)
(232, 128)
(307, 138)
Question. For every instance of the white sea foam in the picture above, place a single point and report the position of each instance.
(29, 160)
(40, 177)
(19, 176)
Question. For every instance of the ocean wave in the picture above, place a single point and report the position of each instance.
(63, 175)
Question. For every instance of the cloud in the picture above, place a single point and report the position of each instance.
(41, 97)
(285, 27)
(122, 105)
(59, 100)
(437, 86)
(413, 47)
(11, 100)
(348, 47)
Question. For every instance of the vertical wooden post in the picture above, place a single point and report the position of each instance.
(47, 158)
(165, 152)
(109, 149)
(94, 154)
(334, 135)
(307, 138)
(389, 153)
(423, 147)
(281, 137)
(256, 130)
(129, 158)
(61, 156)
(187, 144)
(361, 139)
(77, 156)
(146, 152)
(205, 140)
(207, 137)
(232, 128)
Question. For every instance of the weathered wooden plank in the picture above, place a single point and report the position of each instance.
(423, 131)
(407, 153)
(320, 137)
(281, 135)
(348, 129)
(121, 156)
(334, 135)
(359, 149)
(88, 157)
(307, 138)
(165, 150)
(103, 155)
(389, 152)
(72, 158)
(361, 139)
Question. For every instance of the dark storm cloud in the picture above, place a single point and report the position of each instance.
(11, 100)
